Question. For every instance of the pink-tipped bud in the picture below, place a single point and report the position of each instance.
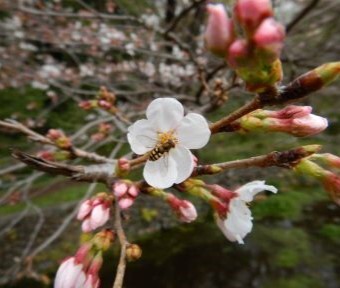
(125, 203)
(185, 210)
(133, 191)
(328, 159)
(332, 185)
(221, 192)
(46, 155)
(105, 104)
(84, 209)
(120, 189)
(307, 126)
(294, 120)
(87, 105)
(269, 37)
(95, 212)
(250, 13)
(238, 53)
(70, 274)
(54, 134)
(219, 32)
(124, 165)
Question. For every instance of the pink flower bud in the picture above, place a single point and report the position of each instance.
(250, 13)
(238, 53)
(294, 120)
(86, 105)
(329, 159)
(291, 111)
(99, 216)
(332, 185)
(104, 104)
(222, 193)
(54, 134)
(125, 203)
(124, 164)
(120, 189)
(84, 209)
(46, 155)
(133, 191)
(219, 32)
(95, 212)
(270, 36)
(70, 274)
(308, 125)
(187, 212)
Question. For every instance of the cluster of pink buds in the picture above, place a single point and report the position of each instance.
(185, 210)
(294, 120)
(82, 269)
(329, 179)
(104, 100)
(254, 55)
(59, 138)
(125, 192)
(103, 132)
(95, 212)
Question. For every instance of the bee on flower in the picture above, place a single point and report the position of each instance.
(167, 135)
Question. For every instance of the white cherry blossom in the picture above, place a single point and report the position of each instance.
(166, 121)
(238, 222)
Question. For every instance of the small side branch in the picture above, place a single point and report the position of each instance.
(118, 283)
(91, 173)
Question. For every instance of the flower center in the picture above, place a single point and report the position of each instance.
(166, 137)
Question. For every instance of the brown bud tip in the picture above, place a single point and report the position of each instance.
(133, 252)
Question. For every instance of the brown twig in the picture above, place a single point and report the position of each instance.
(244, 110)
(284, 159)
(34, 136)
(118, 283)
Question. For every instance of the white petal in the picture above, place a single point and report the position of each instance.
(193, 131)
(184, 162)
(161, 173)
(165, 113)
(142, 136)
(249, 190)
(238, 223)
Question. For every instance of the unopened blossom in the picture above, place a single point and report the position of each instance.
(269, 37)
(165, 125)
(219, 32)
(94, 212)
(125, 192)
(294, 120)
(185, 210)
(70, 274)
(328, 179)
(238, 221)
(250, 13)
(238, 53)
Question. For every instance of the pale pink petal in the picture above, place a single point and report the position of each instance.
(125, 203)
(133, 191)
(142, 136)
(184, 162)
(99, 216)
(120, 189)
(193, 131)
(86, 225)
(161, 173)
(84, 209)
(165, 113)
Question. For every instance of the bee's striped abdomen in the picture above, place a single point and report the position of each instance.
(156, 153)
